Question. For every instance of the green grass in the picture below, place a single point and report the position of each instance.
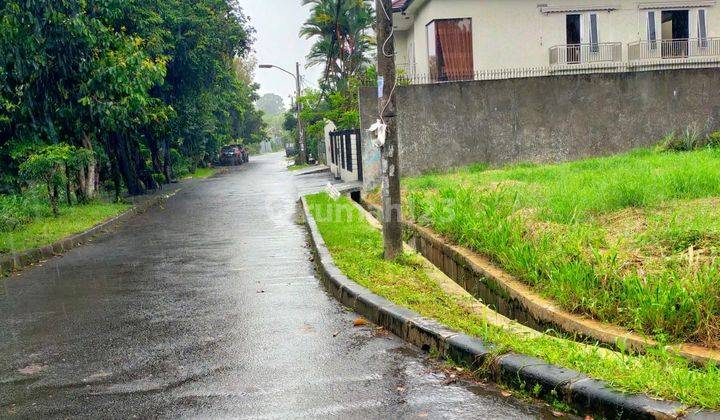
(298, 167)
(201, 173)
(356, 248)
(632, 239)
(45, 230)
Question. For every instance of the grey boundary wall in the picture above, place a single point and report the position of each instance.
(18, 261)
(584, 394)
(540, 119)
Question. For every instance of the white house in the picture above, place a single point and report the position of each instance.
(454, 39)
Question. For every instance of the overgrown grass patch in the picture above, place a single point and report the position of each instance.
(632, 239)
(298, 167)
(201, 173)
(356, 248)
(43, 229)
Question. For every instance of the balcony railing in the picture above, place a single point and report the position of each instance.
(606, 52)
(674, 49)
(405, 69)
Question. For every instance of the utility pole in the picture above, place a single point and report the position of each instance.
(392, 229)
(302, 153)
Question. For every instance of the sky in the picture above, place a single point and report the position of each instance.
(277, 23)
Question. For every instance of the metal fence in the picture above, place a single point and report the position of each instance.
(586, 53)
(346, 151)
(578, 59)
(560, 70)
(674, 49)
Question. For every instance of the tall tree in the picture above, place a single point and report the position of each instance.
(341, 30)
(145, 85)
(271, 104)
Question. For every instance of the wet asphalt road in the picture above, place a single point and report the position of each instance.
(209, 307)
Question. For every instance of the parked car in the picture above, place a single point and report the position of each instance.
(234, 154)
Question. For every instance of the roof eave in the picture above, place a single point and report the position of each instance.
(403, 7)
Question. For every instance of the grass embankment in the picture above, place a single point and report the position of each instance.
(632, 239)
(356, 248)
(44, 229)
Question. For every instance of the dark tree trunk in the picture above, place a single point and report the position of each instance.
(68, 186)
(127, 164)
(145, 174)
(89, 180)
(154, 153)
(114, 169)
(167, 164)
(81, 187)
(117, 183)
(52, 194)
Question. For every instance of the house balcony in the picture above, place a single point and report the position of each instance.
(406, 69)
(675, 50)
(604, 53)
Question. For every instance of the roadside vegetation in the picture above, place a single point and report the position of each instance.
(343, 47)
(632, 239)
(201, 173)
(34, 226)
(357, 250)
(145, 91)
(298, 167)
(99, 100)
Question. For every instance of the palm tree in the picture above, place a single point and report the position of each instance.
(342, 42)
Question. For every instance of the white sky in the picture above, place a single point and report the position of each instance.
(277, 23)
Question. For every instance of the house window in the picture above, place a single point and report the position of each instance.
(702, 29)
(450, 50)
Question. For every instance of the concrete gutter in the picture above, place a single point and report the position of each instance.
(586, 395)
(18, 261)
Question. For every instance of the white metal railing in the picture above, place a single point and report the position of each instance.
(406, 69)
(604, 52)
(674, 49)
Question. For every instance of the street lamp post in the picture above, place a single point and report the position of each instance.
(302, 153)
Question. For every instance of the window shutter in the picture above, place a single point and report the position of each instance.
(702, 29)
(594, 41)
(652, 34)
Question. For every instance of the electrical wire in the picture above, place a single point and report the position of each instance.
(382, 50)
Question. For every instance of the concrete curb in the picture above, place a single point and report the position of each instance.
(15, 262)
(586, 395)
(312, 171)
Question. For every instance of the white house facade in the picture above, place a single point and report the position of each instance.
(454, 39)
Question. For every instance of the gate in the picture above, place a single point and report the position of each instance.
(346, 154)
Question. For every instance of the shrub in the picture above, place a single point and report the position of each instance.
(18, 210)
(180, 165)
(713, 139)
(690, 139)
(53, 166)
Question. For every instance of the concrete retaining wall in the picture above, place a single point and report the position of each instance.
(541, 119)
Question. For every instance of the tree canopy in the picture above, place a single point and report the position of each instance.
(343, 41)
(149, 87)
(271, 104)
